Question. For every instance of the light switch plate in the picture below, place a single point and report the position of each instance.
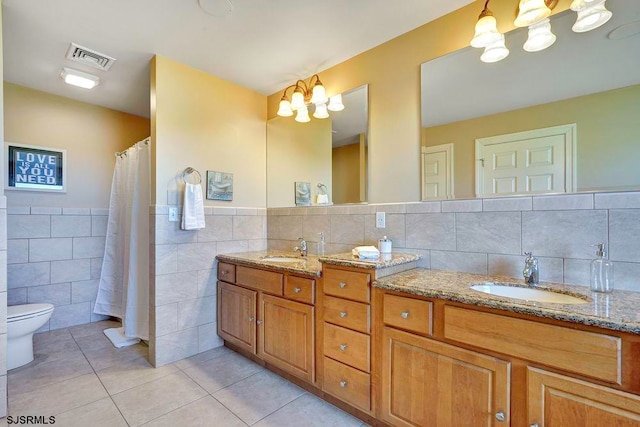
(380, 220)
(173, 214)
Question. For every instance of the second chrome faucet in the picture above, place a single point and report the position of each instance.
(302, 247)
(531, 270)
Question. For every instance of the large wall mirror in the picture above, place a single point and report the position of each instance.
(332, 152)
(561, 120)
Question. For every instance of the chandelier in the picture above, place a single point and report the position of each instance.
(303, 96)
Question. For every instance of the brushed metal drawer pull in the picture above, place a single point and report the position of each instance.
(296, 290)
(251, 319)
(343, 347)
(343, 384)
(259, 322)
(342, 285)
(404, 314)
(343, 314)
(500, 416)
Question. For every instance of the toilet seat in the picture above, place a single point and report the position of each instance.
(16, 313)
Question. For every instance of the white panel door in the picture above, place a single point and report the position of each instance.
(437, 172)
(538, 161)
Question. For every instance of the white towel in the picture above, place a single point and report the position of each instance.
(193, 207)
(366, 252)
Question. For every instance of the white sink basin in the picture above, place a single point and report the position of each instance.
(281, 259)
(529, 294)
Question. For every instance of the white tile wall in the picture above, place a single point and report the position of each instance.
(55, 255)
(488, 235)
(184, 276)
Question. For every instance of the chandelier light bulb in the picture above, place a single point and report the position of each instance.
(335, 103)
(495, 52)
(540, 36)
(285, 108)
(297, 99)
(303, 115)
(319, 96)
(591, 17)
(531, 12)
(321, 111)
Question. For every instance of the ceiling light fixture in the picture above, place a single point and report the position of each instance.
(79, 78)
(304, 94)
(535, 15)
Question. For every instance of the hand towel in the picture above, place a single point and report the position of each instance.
(193, 207)
(366, 252)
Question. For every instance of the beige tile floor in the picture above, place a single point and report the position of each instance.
(81, 379)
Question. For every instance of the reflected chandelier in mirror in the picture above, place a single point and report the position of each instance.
(587, 80)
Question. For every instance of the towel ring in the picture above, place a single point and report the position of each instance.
(188, 171)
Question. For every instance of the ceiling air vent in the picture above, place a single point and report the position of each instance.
(89, 57)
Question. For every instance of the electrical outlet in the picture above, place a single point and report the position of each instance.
(173, 214)
(380, 220)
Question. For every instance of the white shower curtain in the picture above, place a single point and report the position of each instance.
(123, 291)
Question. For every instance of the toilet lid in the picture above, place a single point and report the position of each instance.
(17, 312)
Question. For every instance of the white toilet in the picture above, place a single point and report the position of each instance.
(22, 321)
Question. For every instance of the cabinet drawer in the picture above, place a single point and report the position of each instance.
(347, 284)
(353, 315)
(261, 280)
(348, 384)
(352, 348)
(299, 289)
(407, 313)
(226, 272)
(587, 353)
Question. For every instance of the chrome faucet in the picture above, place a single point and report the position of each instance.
(531, 270)
(302, 247)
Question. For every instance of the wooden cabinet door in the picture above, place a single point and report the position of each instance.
(237, 315)
(557, 401)
(286, 336)
(428, 383)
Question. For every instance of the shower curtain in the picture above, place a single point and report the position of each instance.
(123, 291)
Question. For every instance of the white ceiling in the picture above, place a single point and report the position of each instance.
(261, 44)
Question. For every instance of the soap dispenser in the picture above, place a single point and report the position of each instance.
(601, 271)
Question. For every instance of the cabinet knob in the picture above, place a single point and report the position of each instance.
(500, 416)
(343, 347)
(296, 290)
(342, 285)
(259, 322)
(404, 314)
(534, 425)
(251, 319)
(223, 272)
(343, 384)
(343, 314)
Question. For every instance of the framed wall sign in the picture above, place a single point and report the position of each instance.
(34, 168)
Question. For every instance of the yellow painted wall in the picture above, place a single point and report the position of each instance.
(346, 174)
(207, 123)
(310, 145)
(392, 71)
(90, 134)
(608, 125)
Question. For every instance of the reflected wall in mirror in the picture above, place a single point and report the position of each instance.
(329, 151)
(588, 81)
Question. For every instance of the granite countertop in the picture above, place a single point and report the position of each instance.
(619, 311)
(311, 265)
(385, 260)
(308, 266)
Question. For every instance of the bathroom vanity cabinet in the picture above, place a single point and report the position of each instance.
(269, 314)
(478, 366)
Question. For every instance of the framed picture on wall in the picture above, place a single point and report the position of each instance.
(219, 186)
(35, 168)
(303, 193)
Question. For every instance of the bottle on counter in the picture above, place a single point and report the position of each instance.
(601, 271)
(321, 245)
